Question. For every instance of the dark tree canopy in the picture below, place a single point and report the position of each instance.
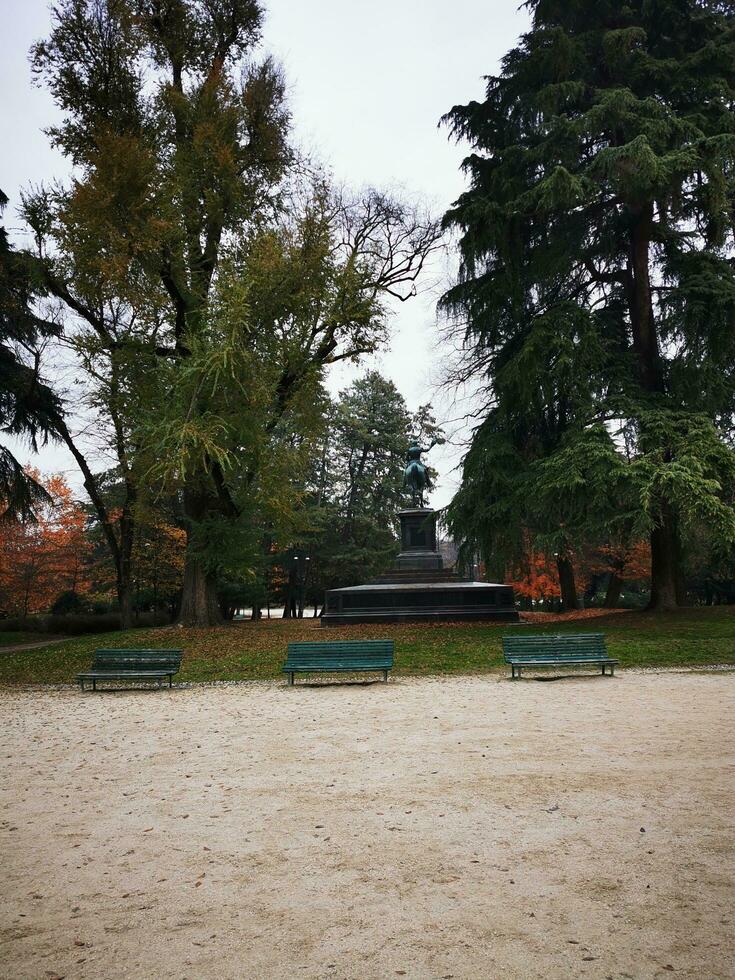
(597, 280)
(28, 407)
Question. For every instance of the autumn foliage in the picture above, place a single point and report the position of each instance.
(159, 553)
(631, 562)
(537, 578)
(40, 560)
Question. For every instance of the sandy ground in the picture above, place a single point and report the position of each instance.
(466, 827)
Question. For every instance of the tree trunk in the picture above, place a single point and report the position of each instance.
(289, 600)
(121, 549)
(567, 584)
(665, 577)
(124, 566)
(614, 588)
(199, 604)
(256, 612)
(643, 325)
(666, 582)
(125, 601)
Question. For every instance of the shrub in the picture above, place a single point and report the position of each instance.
(73, 624)
(68, 602)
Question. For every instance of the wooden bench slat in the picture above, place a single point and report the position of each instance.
(560, 661)
(103, 672)
(550, 656)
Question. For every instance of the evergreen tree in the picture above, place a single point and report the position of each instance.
(356, 489)
(28, 407)
(597, 281)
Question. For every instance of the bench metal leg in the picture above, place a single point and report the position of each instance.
(170, 680)
(290, 678)
(385, 676)
(94, 684)
(612, 670)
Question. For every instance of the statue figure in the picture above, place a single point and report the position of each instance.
(416, 476)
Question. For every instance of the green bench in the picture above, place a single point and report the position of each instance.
(562, 650)
(130, 665)
(346, 657)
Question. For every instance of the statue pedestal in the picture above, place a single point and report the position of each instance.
(418, 587)
(418, 540)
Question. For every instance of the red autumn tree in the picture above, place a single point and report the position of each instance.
(41, 559)
(625, 562)
(537, 577)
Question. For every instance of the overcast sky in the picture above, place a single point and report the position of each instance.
(368, 82)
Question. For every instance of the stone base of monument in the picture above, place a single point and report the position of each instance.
(416, 601)
(418, 587)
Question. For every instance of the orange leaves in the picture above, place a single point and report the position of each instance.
(158, 556)
(40, 561)
(629, 562)
(537, 578)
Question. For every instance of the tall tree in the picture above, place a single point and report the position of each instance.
(28, 406)
(356, 486)
(597, 281)
(179, 138)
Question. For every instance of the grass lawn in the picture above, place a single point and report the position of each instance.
(247, 651)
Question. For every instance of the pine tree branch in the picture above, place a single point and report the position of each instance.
(612, 277)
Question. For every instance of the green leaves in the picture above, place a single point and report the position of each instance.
(596, 282)
(560, 191)
(187, 446)
(684, 461)
(619, 45)
(355, 487)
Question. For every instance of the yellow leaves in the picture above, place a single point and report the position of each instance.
(108, 221)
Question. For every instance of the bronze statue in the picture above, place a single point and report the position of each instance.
(415, 475)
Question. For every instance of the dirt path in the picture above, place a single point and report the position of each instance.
(434, 828)
(36, 646)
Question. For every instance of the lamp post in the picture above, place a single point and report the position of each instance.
(155, 581)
